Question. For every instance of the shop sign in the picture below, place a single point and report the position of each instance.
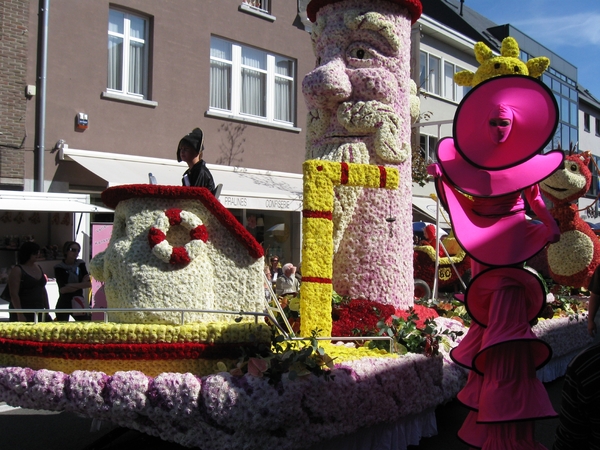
(279, 204)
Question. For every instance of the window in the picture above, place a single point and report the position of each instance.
(251, 83)
(593, 191)
(430, 73)
(586, 122)
(597, 127)
(433, 72)
(262, 5)
(461, 91)
(449, 81)
(428, 146)
(127, 54)
(565, 93)
(438, 78)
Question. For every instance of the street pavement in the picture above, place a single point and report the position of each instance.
(26, 429)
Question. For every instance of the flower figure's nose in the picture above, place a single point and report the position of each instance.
(327, 85)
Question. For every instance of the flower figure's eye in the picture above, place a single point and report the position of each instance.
(497, 66)
(318, 62)
(516, 69)
(360, 53)
(499, 122)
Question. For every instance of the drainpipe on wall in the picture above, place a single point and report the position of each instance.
(41, 90)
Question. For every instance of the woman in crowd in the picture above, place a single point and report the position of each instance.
(267, 281)
(72, 278)
(27, 285)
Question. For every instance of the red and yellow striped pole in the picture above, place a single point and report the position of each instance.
(320, 178)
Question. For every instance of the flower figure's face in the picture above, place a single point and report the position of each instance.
(570, 182)
(500, 123)
(358, 92)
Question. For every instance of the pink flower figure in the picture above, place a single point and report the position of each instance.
(358, 98)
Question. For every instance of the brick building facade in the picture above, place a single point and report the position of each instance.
(14, 141)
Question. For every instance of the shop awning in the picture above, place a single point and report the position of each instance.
(428, 206)
(242, 188)
(48, 202)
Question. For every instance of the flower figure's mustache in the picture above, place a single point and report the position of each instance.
(361, 119)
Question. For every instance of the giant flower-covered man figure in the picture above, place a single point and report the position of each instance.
(361, 99)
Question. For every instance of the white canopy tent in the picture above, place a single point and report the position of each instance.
(48, 202)
(242, 188)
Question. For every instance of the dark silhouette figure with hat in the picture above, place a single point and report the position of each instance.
(190, 150)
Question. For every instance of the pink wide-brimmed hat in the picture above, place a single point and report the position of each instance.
(525, 103)
(414, 7)
(486, 284)
(480, 182)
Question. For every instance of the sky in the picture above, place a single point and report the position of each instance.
(570, 28)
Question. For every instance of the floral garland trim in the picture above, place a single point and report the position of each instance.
(119, 351)
(414, 8)
(221, 410)
(320, 177)
(113, 195)
(163, 250)
(123, 333)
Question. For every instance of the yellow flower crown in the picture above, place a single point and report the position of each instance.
(508, 63)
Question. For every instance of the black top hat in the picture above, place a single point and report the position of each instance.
(195, 139)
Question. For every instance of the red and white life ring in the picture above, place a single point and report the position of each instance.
(157, 236)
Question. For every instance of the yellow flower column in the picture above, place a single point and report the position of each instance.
(320, 177)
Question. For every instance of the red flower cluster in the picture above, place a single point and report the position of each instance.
(422, 312)
(155, 237)
(179, 256)
(359, 317)
(199, 233)
(174, 216)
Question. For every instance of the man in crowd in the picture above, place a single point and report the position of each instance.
(288, 283)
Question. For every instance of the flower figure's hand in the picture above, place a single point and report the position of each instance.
(434, 170)
(554, 237)
(553, 232)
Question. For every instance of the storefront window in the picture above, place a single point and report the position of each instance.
(277, 231)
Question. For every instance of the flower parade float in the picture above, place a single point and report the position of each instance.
(170, 251)
(185, 387)
(182, 356)
(574, 258)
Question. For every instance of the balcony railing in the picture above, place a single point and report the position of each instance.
(261, 5)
